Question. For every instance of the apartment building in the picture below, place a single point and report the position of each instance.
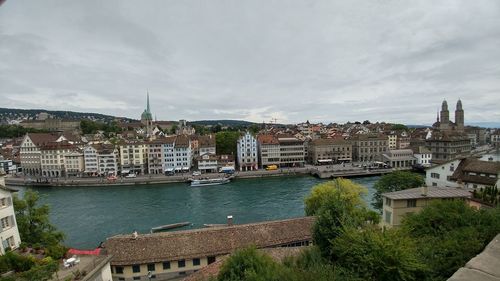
(369, 147)
(9, 233)
(134, 157)
(268, 148)
(328, 151)
(292, 151)
(29, 151)
(53, 158)
(247, 152)
(170, 154)
(101, 159)
(400, 159)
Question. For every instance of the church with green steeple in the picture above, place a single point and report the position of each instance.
(147, 119)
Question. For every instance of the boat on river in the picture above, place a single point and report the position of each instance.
(206, 182)
(169, 226)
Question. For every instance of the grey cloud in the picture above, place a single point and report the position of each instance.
(256, 60)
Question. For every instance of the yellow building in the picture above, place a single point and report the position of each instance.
(172, 255)
(400, 203)
(134, 157)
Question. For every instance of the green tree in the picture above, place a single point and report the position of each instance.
(449, 233)
(399, 127)
(173, 129)
(374, 254)
(250, 265)
(34, 225)
(395, 181)
(225, 142)
(337, 189)
(336, 204)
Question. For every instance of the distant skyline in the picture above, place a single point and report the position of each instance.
(323, 61)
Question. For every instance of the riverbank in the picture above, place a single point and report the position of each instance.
(322, 172)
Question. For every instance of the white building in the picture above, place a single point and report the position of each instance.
(101, 159)
(30, 151)
(9, 234)
(423, 155)
(170, 154)
(400, 159)
(440, 175)
(207, 163)
(247, 152)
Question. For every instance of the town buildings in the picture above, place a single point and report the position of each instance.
(134, 157)
(291, 151)
(268, 150)
(101, 159)
(246, 148)
(30, 152)
(176, 254)
(369, 147)
(470, 173)
(52, 124)
(448, 140)
(169, 154)
(53, 158)
(398, 204)
(9, 233)
(400, 159)
(423, 156)
(324, 151)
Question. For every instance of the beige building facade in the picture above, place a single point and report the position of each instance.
(398, 204)
(329, 151)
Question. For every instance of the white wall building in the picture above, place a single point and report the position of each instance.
(423, 155)
(440, 175)
(247, 152)
(9, 234)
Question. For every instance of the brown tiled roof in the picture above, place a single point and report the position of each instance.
(57, 146)
(433, 192)
(182, 141)
(329, 142)
(42, 138)
(267, 139)
(369, 137)
(479, 167)
(159, 247)
(104, 148)
(206, 141)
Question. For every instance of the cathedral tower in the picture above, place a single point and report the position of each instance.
(459, 116)
(445, 116)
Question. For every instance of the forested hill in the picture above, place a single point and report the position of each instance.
(8, 114)
(232, 123)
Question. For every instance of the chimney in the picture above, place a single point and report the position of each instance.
(424, 189)
(229, 220)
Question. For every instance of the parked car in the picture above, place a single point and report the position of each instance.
(196, 173)
(131, 175)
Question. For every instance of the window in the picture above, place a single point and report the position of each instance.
(388, 201)
(388, 217)
(119, 269)
(182, 273)
(151, 267)
(136, 268)
(5, 222)
(166, 265)
(211, 259)
(411, 203)
(121, 279)
(137, 278)
(434, 184)
(435, 175)
(196, 262)
(181, 263)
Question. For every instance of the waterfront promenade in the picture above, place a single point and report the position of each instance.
(323, 172)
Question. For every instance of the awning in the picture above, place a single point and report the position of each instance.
(325, 160)
(125, 171)
(169, 169)
(178, 168)
(185, 168)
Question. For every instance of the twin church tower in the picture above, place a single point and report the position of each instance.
(443, 122)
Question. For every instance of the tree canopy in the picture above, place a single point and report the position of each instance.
(226, 142)
(15, 131)
(34, 225)
(395, 181)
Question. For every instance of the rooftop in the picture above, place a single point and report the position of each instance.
(167, 246)
(432, 192)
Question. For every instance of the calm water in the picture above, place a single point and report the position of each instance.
(90, 214)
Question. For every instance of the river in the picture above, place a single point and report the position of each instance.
(87, 215)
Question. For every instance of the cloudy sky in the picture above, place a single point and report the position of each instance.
(254, 60)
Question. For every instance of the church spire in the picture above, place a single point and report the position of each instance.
(148, 108)
(437, 119)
